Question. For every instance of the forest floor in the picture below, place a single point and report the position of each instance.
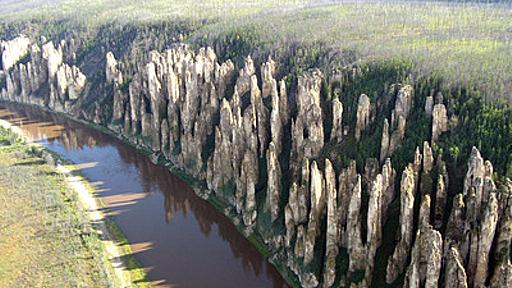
(52, 233)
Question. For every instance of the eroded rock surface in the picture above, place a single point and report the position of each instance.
(362, 115)
(248, 139)
(13, 50)
(439, 121)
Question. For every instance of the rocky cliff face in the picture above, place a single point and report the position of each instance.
(258, 148)
(12, 51)
(45, 80)
(393, 131)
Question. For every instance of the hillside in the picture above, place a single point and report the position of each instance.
(439, 36)
(365, 144)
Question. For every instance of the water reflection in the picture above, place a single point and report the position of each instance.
(181, 245)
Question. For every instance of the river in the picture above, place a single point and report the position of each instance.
(179, 238)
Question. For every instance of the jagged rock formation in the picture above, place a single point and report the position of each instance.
(465, 236)
(45, 80)
(426, 257)
(429, 105)
(503, 268)
(355, 247)
(393, 132)
(439, 121)
(332, 241)
(13, 50)
(260, 151)
(455, 275)
(112, 72)
(441, 194)
(363, 115)
(337, 123)
(274, 182)
(396, 264)
(307, 127)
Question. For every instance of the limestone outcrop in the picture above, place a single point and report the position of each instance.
(393, 131)
(45, 80)
(441, 194)
(397, 262)
(317, 186)
(258, 148)
(455, 274)
(425, 266)
(384, 143)
(307, 127)
(274, 182)
(112, 72)
(337, 121)
(13, 50)
(332, 241)
(362, 115)
(439, 121)
(404, 102)
(355, 247)
(429, 105)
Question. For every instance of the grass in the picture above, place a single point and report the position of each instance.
(46, 228)
(46, 240)
(137, 274)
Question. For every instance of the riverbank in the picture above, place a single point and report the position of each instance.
(49, 207)
(199, 188)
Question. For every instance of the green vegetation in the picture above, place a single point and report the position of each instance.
(439, 36)
(138, 276)
(424, 44)
(47, 240)
(461, 50)
(41, 214)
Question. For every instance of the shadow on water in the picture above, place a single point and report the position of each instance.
(179, 238)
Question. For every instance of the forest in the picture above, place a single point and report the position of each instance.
(448, 58)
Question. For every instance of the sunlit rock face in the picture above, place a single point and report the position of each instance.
(396, 264)
(393, 130)
(269, 154)
(337, 120)
(13, 50)
(112, 72)
(363, 115)
(439, 121)
(455, 275)
(45, 80)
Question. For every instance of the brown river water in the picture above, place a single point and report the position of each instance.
(179, 238)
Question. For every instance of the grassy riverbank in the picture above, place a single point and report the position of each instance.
(47, 236)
